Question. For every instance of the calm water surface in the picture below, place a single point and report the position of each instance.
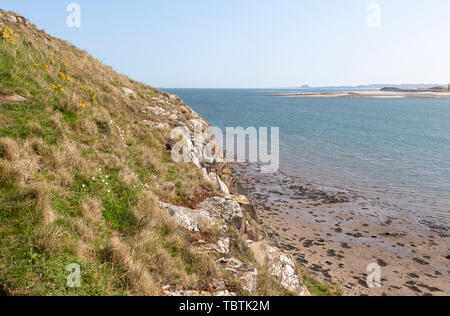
(395, 149)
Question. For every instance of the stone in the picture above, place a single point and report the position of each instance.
(156, 124)
(241, 271)
(12, 98)
(129, 92)
(173, 97)
(224, 208)
(192, 220)
(219, 293)
(22, 20)
(157, 110)
(281, 265)
(223, 186)
(241, 199)
(222, 246)
(11, 18)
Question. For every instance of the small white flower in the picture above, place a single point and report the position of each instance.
(107, 177)
(107, 183)
(109, 191)
(103, 180)
(93, 178)
(83, 185)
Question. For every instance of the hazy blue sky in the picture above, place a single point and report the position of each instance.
(257, 43)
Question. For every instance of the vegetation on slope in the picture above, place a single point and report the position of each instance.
(81, 175)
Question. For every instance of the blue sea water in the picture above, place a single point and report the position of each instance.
(394, 149)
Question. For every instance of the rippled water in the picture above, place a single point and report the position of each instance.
(395, 149)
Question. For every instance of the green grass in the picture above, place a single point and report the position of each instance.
(57, 148)
(27, 121)
(320, 288)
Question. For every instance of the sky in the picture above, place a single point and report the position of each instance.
(257, 43)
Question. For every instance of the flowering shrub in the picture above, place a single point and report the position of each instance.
(64, 78)
(7, 34)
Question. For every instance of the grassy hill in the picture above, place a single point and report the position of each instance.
(81, 175)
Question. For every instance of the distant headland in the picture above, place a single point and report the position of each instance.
(377, 91)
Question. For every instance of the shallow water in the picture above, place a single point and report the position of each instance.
(394, 149)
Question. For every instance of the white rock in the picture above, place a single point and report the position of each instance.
(223, 245)
(223, 186)
(241, 271)
(155, 124)
(242, 199)
(129, 92)
(222, 293)
(281, 265)
(192, 220)
(157, 110)
(11, 18)
(224, 208)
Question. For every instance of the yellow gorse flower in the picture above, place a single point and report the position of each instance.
(7, 33)
(82, 104)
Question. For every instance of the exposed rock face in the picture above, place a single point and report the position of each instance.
(223, 212)
(222, 246)
(192, 220)
(281, 265)
(241, 271)
(225, 208)
(212, 212)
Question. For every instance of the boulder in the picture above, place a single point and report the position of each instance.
(192, 220)
(224, 208)
(11, 18)
(223, 186)
(281, 265)
(222, 246)
(129, 92)
(157, 110)
(241, 271)
(223, 293)
(156, 124)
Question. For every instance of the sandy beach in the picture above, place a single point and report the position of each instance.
(336, 234)
(368, 94)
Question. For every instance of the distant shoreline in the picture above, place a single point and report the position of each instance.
(368, 94)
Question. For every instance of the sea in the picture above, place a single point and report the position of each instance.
(396, 150)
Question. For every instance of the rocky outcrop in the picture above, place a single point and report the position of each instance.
(224, 212)
(281, 265)
(224, 208)
(220, 213)
(193, 220)
(245, 273)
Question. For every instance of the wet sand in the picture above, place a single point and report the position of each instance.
(368, 94)
(336, 234)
